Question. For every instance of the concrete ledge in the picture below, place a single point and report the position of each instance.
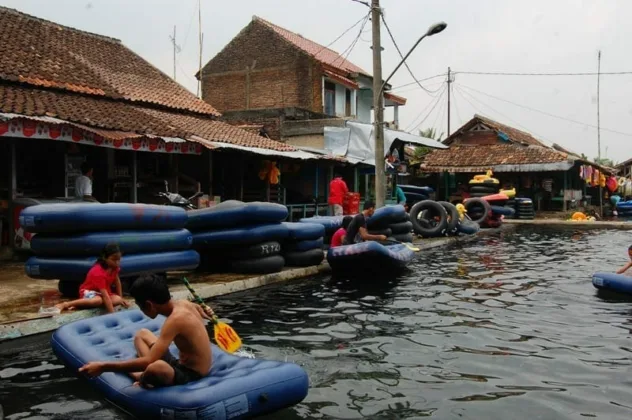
(569, 223)
(43, 324)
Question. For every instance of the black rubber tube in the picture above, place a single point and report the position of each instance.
(473, 205)
(265, 265)
(453, 216)
(402, 237)
(304, 258)
(401, 227)
(385, 232)
(421, 225)
(263, 249)
(484, 189)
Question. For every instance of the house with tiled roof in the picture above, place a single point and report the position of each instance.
(277, 78)
(517, 159)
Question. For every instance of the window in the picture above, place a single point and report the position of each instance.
(330, 98)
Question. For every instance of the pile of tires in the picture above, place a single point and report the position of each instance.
(483, 185)
(524, 209)
(392, 222)
(237, 237)
(415, 194)
(489, 211)
(304, 245)
(432, 219)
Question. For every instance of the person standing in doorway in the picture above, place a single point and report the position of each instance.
(337, 192)
(83, 183)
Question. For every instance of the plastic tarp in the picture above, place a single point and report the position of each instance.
(356, 141)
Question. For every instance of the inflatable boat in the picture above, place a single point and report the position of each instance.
(368, 257)
(614, 282)
(235, 388)
(233, 213)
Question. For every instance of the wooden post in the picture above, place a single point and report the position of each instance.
(13, 186)
(134, 177)
(564, 191)
(316, 189)
(176, 167)
(356, 179)
(241, 178)
(210, 174)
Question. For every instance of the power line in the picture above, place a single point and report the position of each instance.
(341, 35)
(362, 2)
(422, 112)
(546, 113)
(420, 80)
(492, 73)
(456, 108)
(390, 34)
(347, 51)
(436, 102)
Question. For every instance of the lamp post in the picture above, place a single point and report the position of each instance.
(378, 101)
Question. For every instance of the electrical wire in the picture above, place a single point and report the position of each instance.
(491, 73)
(341, 35)
(421, 80)
(436, 101)
(436, 126)
(390, 34)
(456, 107)
(546, 113)
(421, 113)
(343, 56)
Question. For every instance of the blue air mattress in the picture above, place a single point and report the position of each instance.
(624, 205)
(75, 269)
(414, 198)
(331, 223)
(416, 189)
(235, 388)
(235, 213)
(368, 257)
(387, 215)
(91, 217)
(611, 281)
(246, 235)
(130, 242)
(468, 227)
(304, 231)
(305, 245)
(504, 211)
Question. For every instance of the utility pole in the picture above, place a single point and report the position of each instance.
(378, 106)
(449, 81)
(176, 49)
(599, 132)
(199, 90)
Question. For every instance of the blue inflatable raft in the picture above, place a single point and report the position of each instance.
(368, 257)
(75, 269)
(304, 231)
(331, 223)
(235, 213)
(387, 215)
(91, 217)
(611, 281)
(503, 211)
(130, 242)
(235, 388)
(246, 235)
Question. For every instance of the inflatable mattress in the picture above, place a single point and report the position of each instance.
(75, 269)
(304, 231)
(416, 189)
(91, 217)
(385, 216)
(235, 213)
(368, 257)
(235, 388)
(130, 242)
(468, 227)
(611, 281)
(624, 205)
(331, 223)
(246, 235)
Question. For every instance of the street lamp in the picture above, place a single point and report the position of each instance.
(380, 176)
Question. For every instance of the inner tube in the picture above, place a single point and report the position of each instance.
(504, 211)
(401, 227)
(432, 209)
(304, 258)
(265, 265)
(264, 249)
(402, 237)
(385, 232)
(474, 204)
(483, 189)
(305, 245)
(453, 216)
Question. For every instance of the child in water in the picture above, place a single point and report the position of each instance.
(336, 240)
(96, 290)
(628, 265)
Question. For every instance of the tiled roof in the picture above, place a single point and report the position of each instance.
(395, 98)
(45, 54)
(108, 114)
(485, 156)
(320, 53)
(515, 135)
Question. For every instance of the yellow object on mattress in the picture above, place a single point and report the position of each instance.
(509, 193)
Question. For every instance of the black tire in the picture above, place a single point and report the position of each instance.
(68, 288)
(479, 195)
(302, 246)
(473, 204)
(401, 227)
(305, 258)
(483, 189)
(385, 232)
(453, 216)
(403, 237)
(428, 230)
(261, 250)
(265, 265)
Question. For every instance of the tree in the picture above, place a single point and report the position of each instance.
(430, 133)
(421, 151)
(605, 162)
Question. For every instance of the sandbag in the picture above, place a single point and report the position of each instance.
(265, 265)
(304, 258)
(432, 209)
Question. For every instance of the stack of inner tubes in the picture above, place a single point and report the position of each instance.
(511, 203)
(498, 211)
(524, 209)
(481, 186)
(414, 193)
(392, 222)
(434, 218)
(330, 223)
(304, 245)
(237, 237)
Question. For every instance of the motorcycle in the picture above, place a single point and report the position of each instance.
(174, 199)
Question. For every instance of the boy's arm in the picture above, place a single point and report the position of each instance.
(166, 337)
(366, 236)
(624, 268)
(107, 301)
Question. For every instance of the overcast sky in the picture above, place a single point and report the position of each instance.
(535, 36)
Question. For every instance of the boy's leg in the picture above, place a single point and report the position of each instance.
(143, 341)
(94, 302)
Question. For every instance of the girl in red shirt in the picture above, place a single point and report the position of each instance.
(96, 290)
(336, 239)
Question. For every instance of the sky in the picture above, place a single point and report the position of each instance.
(510, 36)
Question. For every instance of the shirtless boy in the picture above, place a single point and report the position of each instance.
(155, 366)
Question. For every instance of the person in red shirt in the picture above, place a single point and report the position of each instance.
(337, 192)
(336, 240)
(96, 290)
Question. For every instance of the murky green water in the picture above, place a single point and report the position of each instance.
(507, 327)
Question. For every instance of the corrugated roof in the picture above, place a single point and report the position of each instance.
(44, 54)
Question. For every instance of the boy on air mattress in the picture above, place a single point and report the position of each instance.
(96, 290)
(155, 366)
(629, 264)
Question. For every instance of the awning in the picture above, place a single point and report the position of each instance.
(534, 167)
